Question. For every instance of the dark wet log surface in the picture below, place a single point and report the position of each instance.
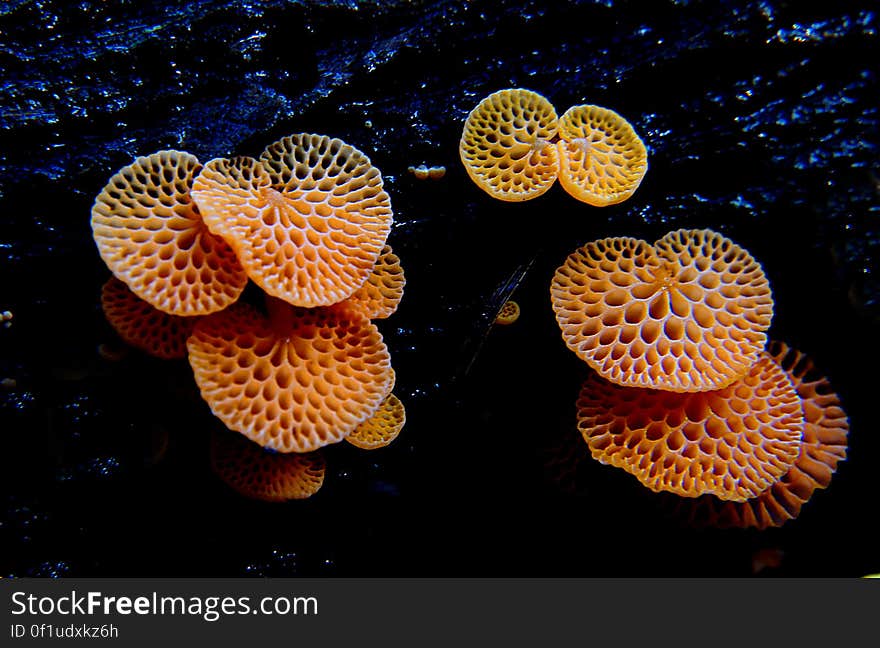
(761, 121)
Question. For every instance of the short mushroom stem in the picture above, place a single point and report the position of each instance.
(538, 147)
(583, 144)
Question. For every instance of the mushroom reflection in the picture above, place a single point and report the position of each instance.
(824, 445)
(264, 475)
(601, 159)
(141, 325)
(733, 443)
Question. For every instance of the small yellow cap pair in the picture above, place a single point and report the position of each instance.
(514, 148)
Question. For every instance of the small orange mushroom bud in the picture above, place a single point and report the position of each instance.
(733, 443)
(423, 172)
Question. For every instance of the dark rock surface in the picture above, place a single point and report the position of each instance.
(761, 120)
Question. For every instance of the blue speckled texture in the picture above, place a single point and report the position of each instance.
(761, 121)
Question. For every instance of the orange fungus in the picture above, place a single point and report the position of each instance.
(733, 443)
(261, 474)
(381, 293)
(601, 159)
(686, 314)
(308, 219)
(142, 326)
(508, 314)
(824, 445)
(506, 145)
(295, 381)
(152, 237)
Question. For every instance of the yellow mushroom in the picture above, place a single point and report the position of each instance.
(601, 159)
(508, 314)
(260, 474)
(308, 220)
(506, 145)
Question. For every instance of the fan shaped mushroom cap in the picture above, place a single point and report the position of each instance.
(151, 236)
(508, 314)
(299, 380)
(505, 145)
(382, 427)
(308, 220)
(824, 445)
(733, 443)
(142, 326)
(381, 293)
(601, 159)
(265, 475)
(688, 314)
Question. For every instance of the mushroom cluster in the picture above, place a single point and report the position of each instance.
(514, 147)
(686, 393)
(307, 223)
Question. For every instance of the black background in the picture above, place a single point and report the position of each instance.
(761, 122)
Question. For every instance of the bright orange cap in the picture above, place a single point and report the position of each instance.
(302, 380)
(687, 314)
(733, 443)
(142, 326)
(151, 236)
(308, 220)
(506, 145)
(508, 314)
(601, 159)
